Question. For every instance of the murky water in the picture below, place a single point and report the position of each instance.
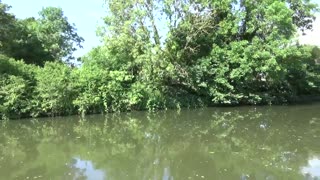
(280, 142)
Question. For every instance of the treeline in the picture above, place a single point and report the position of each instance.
(158, 55)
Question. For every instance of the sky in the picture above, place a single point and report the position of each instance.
(87, 14)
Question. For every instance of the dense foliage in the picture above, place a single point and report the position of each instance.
(158, 55)
(50, 37)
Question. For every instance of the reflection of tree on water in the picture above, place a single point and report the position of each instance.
(248, 143)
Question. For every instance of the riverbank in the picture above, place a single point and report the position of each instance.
(299, 100)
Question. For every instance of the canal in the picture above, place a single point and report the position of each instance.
(267, 142)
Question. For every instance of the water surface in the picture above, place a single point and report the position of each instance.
(279, 142)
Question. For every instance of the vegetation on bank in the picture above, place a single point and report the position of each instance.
(212, 53)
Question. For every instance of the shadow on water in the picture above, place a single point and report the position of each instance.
(279, 142)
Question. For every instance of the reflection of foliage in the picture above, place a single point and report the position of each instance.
(224, 143)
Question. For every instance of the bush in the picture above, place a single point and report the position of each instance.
(54, 92)
(16, 88)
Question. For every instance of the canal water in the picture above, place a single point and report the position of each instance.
(241, 143)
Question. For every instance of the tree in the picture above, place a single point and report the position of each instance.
(26, 45)
(57, 35)
(7, 23)
(48, 38)
(227, 51)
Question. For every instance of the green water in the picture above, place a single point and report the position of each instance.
(280, 142)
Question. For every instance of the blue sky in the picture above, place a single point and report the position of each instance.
(87, 14)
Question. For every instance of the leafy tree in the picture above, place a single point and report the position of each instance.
(227, 52)
(57, 35)
(48, 38)
(26, 45)
(7, 21)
